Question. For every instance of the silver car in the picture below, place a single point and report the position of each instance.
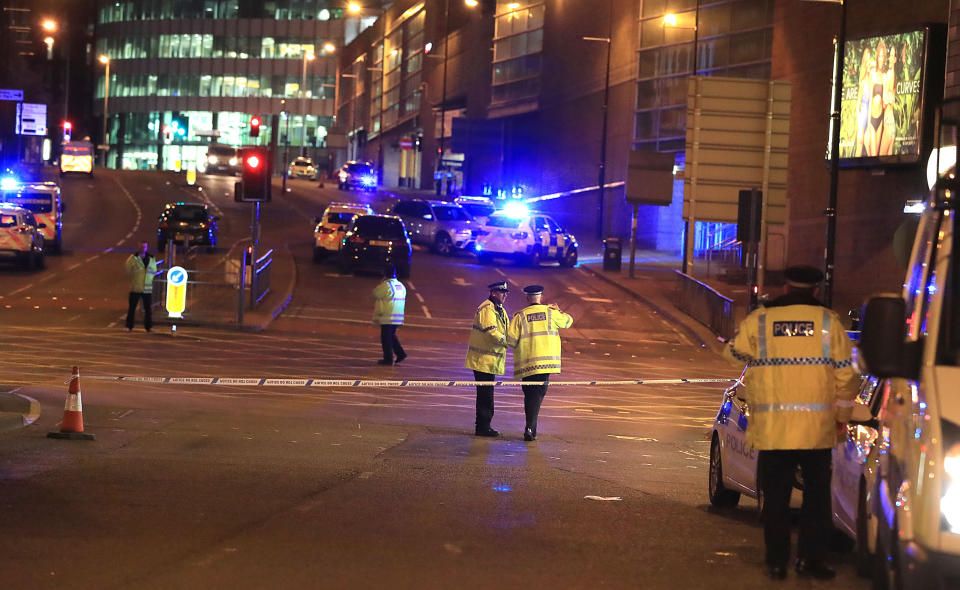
(445, 227)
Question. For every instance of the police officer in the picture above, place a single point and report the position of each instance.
(487, 352)
(390, 298)
(140, 268)
(534, 335)
(801, 382)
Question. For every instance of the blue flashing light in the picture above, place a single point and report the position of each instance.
(477, 247)
(502, 488)
(516, 210)
(9, 183)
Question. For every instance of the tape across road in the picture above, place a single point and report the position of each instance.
(279, 382)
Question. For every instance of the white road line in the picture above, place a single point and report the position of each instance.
(513, 282)
(419, 297)
(597, 299)
(426, 312)
(460, 282)
(410, 286)
(500, 272)
(30, 286)
(91, 259)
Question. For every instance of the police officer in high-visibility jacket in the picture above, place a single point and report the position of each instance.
(534, 335)
(800, 383)
(390, 297)
(487, 352)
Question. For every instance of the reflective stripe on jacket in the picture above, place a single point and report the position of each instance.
(390, 298)
(140, 275)
(534, 336)
(800, 366)
(487, 349)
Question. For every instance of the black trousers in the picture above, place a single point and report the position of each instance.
(776, 470)
(533, 397)
(484, 400)
(390, 343)
(147, 300)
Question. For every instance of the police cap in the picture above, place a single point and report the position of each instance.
(805, 277)
(533, 289)
(499, 286)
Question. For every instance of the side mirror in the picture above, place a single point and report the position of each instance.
(316, 220)
(41, 225)
(882, 344)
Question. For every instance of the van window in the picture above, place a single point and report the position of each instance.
(8, 220)
(920, 270)
(503, 221)
(34, 201)
(948, 348)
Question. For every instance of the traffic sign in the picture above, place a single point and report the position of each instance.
(31, 119)
(176, 291)
(406, 143)
(15, 95)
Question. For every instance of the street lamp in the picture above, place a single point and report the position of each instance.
(106, 95)
(308, 56)
(602, 173)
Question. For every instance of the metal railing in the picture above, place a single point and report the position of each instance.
(212, 296)
(705, 305)
(260, 281)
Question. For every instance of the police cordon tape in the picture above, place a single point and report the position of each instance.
(274, 382)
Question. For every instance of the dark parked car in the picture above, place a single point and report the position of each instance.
(183, 222)
(373, 242)
(359, 175)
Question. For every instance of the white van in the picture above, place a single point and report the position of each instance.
(912, 342)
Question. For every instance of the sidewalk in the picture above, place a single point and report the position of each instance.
(16, 410)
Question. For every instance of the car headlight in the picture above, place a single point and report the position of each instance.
(211, 159)
(234, 161)
(950, 502)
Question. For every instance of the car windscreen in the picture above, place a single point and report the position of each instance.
(342, 217)
(359, 169)
(35, 202)
(302, 162)
(479, 209)
(379, 228)
(503, 221)
(448, 213)
(221, 150)
(190, 214)
(77, 150)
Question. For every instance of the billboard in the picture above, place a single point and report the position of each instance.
(882, 105)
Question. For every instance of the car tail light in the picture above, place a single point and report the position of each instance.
(355, 239)
(327, 230)
(164, 225)
(520, 235)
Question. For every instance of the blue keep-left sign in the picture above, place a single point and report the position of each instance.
(176, 291)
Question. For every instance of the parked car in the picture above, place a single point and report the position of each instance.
(302, 168)
(373, 242)
(20, 237)
(445, 227)
(187, 222)
(480, 208)
(526, 237)
(357, 175)
(222, 159)
(332, 225)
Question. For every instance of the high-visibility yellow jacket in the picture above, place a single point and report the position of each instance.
(487, 350)
(140, 274)
(534, 335)
(390, 298)
(800, 378)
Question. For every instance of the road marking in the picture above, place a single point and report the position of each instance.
(514, 283)
(20, 289)
(461, 282)
(426, 312)
(410, 285)
(597, 299)
(500, 272)
(574, 290)
(419, 297)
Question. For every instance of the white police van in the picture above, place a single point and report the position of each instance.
(20, 237)
(514, 232)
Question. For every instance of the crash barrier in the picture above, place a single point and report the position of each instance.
(705, 305)
(213, 296)
(307, 382)
(260, 280)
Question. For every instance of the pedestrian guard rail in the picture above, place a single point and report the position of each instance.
(260, 283)
(705, 305)
(213, 296)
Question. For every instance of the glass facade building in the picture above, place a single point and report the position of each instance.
(184, 74)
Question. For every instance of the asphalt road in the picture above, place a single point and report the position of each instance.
(202, 486)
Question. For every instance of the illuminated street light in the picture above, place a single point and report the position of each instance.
(49, 25)
(471, 3)
(106, 95)
(309, 56)
(354, 7)
(329, 47)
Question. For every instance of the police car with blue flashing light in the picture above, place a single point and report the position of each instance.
(357, 175)
(515, 232)
(20, 237)
(480, 208)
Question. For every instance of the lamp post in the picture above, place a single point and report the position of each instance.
(602, 174)
(106, 95)
(831, 212)
(671, 20)
(307, 56)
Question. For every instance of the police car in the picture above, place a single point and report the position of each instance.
(20, 237)
(733, 463)
(332, 225)
(514, 232)
(43, 200)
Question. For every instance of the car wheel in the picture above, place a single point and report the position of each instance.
(720, 496)
(864, 560)
(535, 257)
(484, 258)
(344, 267)
(570, 259)
(40, 261)
(318, 255)
(443, 245)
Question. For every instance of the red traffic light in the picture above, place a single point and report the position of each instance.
(67, 125)
(255, 121)
(254, 126)
(253, 162)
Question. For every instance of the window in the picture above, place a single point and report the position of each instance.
(503, 221)
(8, 220)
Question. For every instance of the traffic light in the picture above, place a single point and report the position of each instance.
(254, 126)
(255, 177)
(179, 125)
(67, 130)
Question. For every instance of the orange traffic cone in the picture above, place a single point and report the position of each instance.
(72, 424)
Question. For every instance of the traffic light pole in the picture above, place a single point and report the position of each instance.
(254, 247)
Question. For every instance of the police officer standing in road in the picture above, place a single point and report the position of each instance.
(390, 298)
(140, 268)
(487, 352)
(801, 382)
(534, 335)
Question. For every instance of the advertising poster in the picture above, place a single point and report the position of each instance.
(881, 106)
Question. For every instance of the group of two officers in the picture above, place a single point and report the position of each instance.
(533, 333)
